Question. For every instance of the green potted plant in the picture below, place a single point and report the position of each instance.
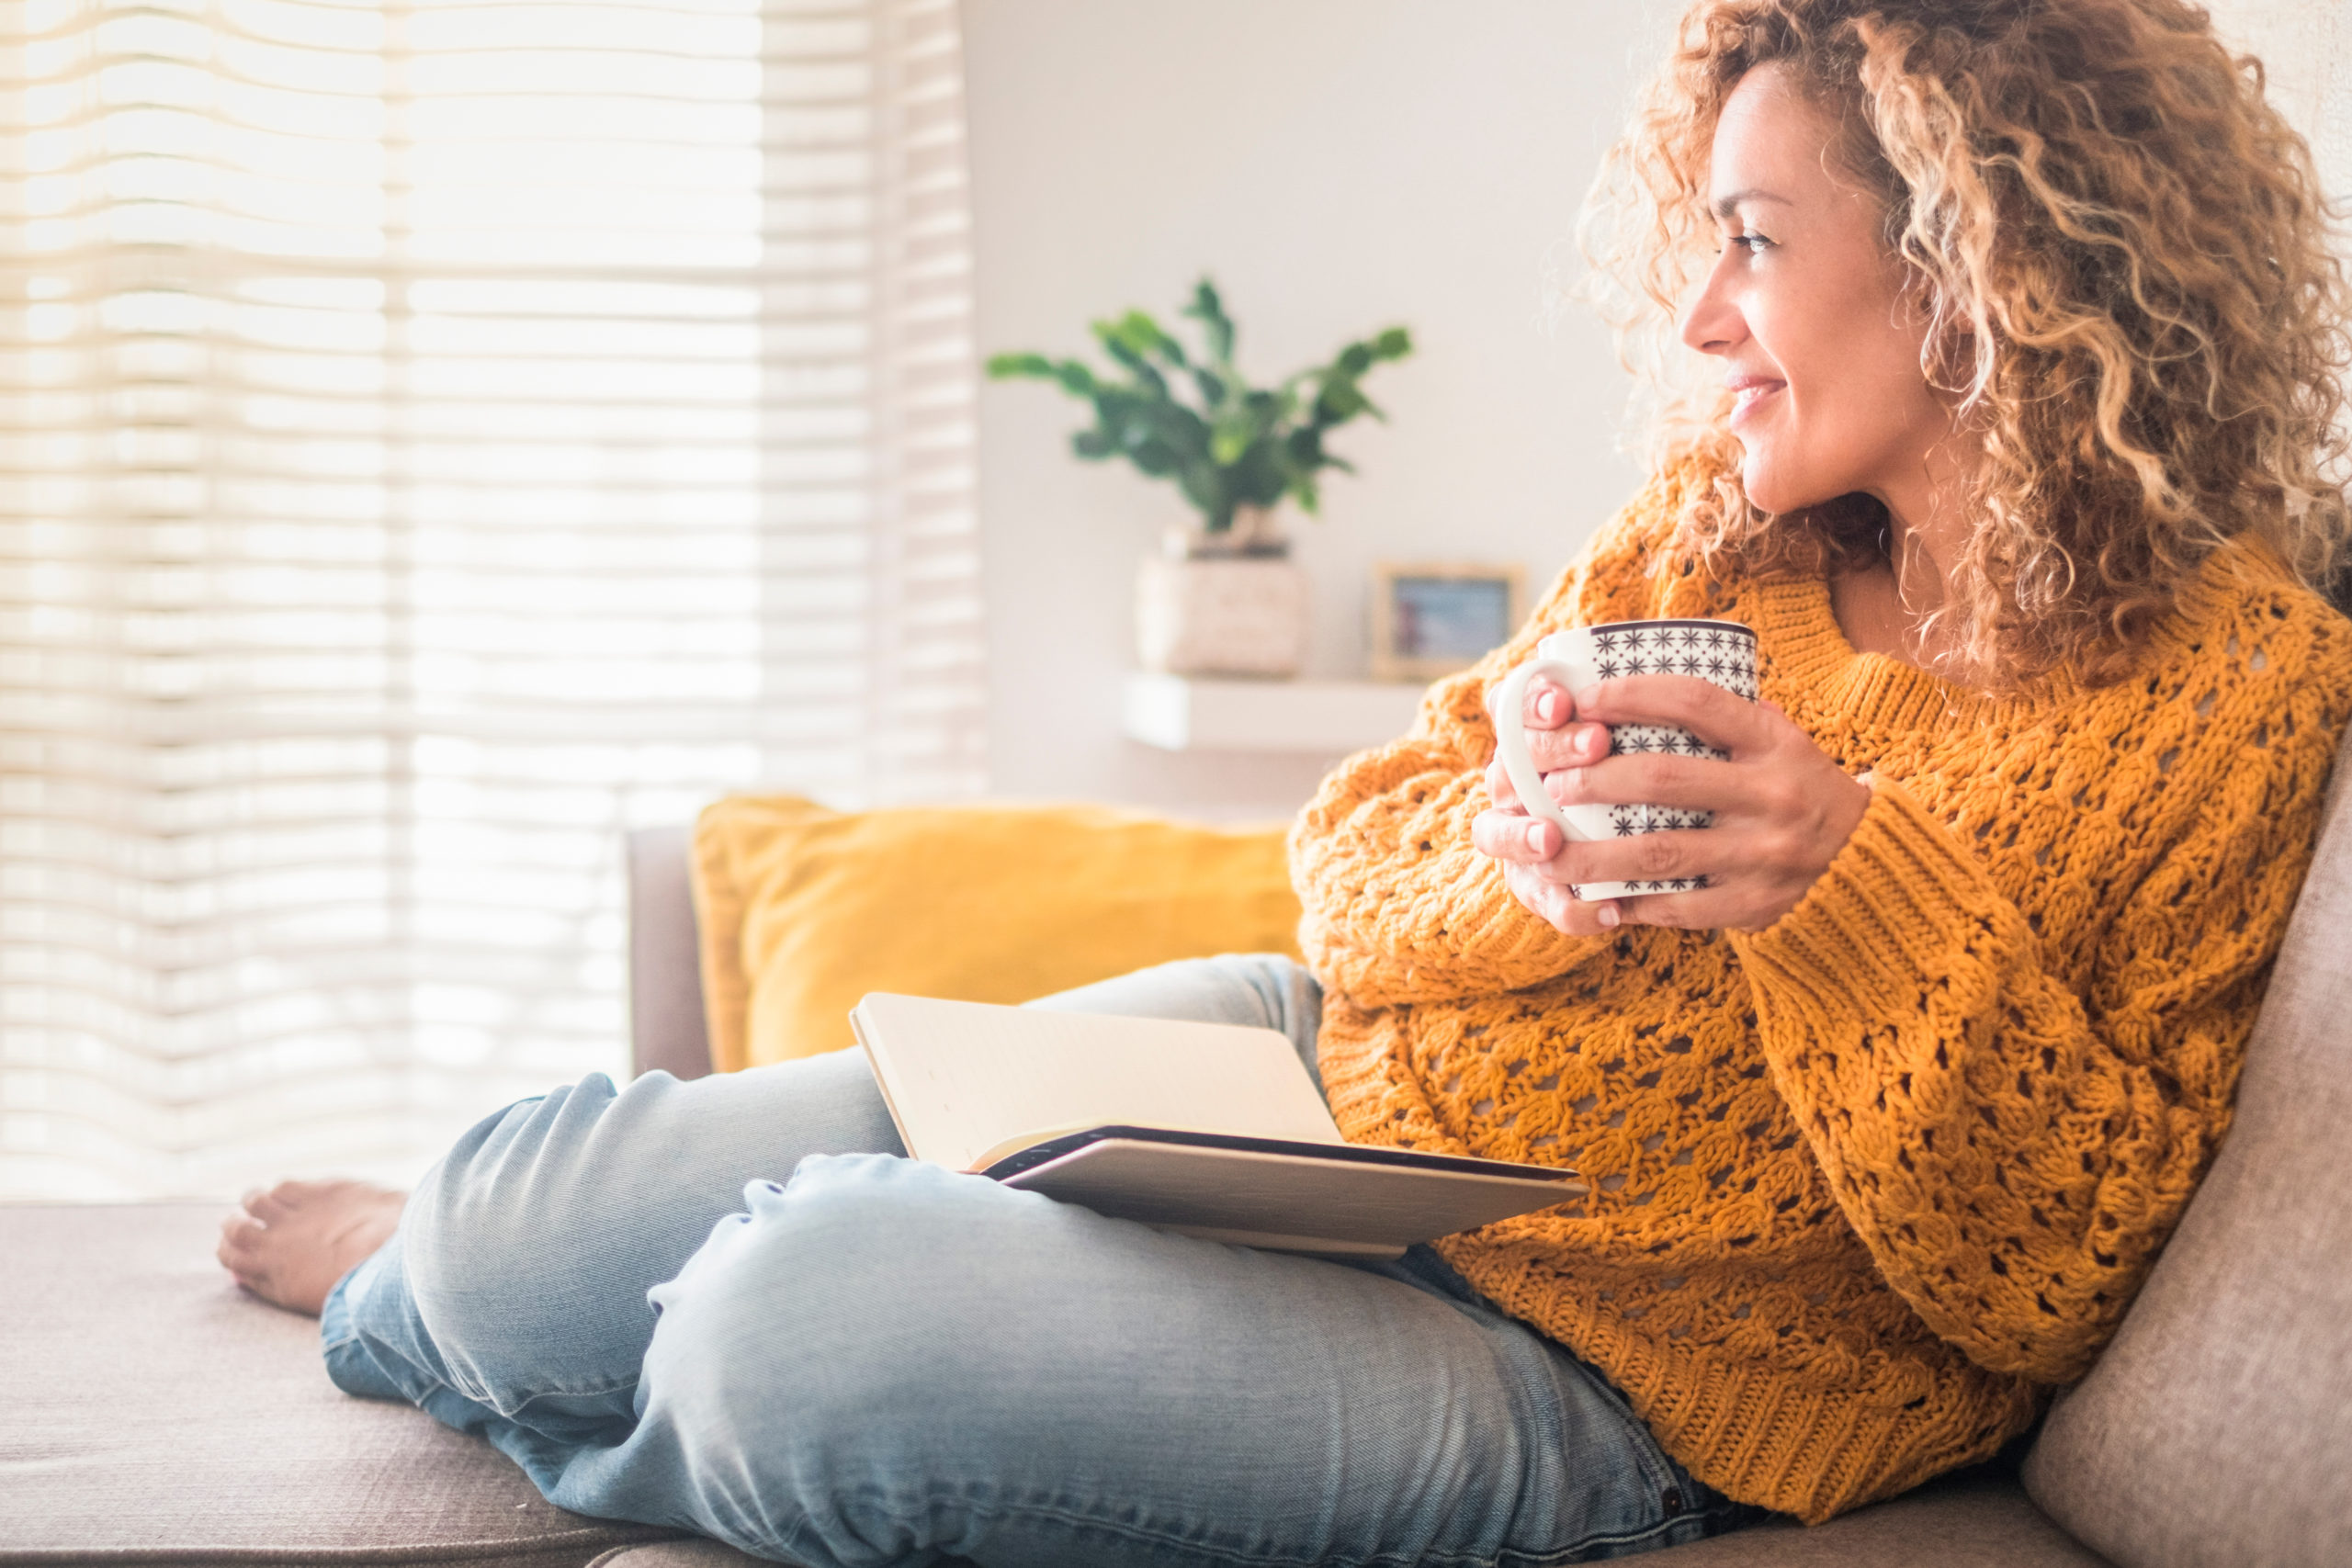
(1222, 598)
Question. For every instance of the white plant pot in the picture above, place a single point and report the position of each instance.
(1222, 614)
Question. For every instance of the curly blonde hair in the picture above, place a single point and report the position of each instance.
(2123, 252)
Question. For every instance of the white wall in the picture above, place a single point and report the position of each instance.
(1337, 166)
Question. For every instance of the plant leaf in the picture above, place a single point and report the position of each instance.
(1125, 353)
(1259, 476)
(1209, 310)
(1204, 485)
(1145, 336)
(1229, 439)
(1338, 401)
(1157, 457)
(1001, 366)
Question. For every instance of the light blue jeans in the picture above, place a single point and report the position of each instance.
(731, 1307)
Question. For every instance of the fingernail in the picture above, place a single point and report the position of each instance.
(1535, 838)
(1547, 708)
(1608, 915)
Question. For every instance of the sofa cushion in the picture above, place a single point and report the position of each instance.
(2216, 1426)
(804, 909)
(1977, 1519)
(156, 1413)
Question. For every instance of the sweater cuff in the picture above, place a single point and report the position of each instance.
(1901, 899)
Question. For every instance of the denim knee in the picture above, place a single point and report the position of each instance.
(479, 1266)
(828, 1366)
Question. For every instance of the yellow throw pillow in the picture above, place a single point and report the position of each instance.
(804, 909)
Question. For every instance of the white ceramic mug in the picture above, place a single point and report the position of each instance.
(1721, 653)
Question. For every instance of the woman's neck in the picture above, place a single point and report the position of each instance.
(1871, 613)
(1890, 606)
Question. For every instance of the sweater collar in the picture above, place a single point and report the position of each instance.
(1803, 645)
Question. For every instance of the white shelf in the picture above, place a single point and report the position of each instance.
(1180, 713)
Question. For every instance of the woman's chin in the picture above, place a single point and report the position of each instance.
(1768, 490)
(1771, 487)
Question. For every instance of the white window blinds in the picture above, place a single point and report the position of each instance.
(435, 438)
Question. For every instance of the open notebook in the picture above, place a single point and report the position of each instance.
(1203, 1128)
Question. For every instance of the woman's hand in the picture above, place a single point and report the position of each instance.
(1783, 811)
(1527, 845)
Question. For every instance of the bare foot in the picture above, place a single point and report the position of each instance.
(290, 1245)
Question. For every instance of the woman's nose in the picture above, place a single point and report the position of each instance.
(1713, 324)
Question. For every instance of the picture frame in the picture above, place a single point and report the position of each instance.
(1435, 618)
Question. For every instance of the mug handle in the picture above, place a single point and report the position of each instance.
(1511, 741)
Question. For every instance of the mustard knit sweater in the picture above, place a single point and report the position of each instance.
(1866, 1184)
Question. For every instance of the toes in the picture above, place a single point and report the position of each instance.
(239, 1250)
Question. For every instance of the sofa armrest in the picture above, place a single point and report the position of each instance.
(665, 1017)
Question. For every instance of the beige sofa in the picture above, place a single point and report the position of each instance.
(149, 1414)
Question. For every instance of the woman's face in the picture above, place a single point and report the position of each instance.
(1802, 308)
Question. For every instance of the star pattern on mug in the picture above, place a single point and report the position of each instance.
(1668, 738)
(1627, 889)
(1721, 655)
(1632, 821)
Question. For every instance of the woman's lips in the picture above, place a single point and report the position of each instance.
(1750, 393)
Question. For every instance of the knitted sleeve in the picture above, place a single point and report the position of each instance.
(2013, 1152)
(1398, 907)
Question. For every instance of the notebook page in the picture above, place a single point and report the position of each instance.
(963, 1076)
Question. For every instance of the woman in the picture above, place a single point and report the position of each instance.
(2028, 338)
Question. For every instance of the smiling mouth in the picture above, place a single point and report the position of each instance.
(1748, 393)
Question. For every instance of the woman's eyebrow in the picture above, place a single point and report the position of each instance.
(1728, 206)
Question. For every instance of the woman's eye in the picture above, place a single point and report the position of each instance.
(1753, 242)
